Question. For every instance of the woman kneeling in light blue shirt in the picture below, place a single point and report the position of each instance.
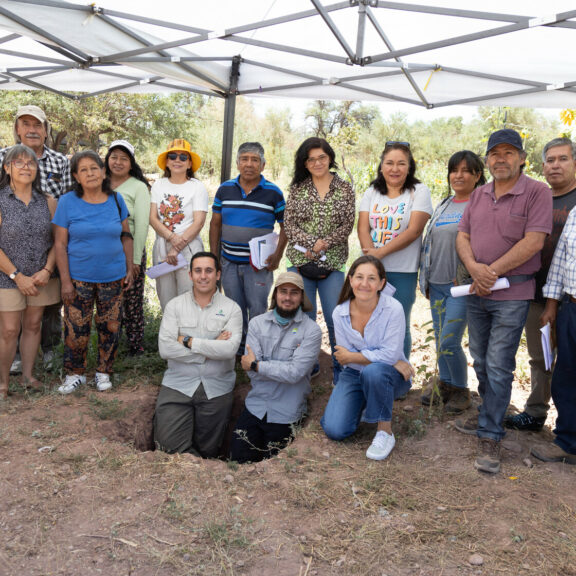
(369, 328)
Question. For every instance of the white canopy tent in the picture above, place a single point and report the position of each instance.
(432, 54)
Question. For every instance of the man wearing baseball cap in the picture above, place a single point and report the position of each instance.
(31, 128)
(500, 235)
(281, 348)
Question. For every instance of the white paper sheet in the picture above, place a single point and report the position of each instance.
(464, 290)
(261, 248)
(303, 250)
(164, 268)
(547, 346)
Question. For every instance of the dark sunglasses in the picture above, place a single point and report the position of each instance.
(173, 156)
(397, 142)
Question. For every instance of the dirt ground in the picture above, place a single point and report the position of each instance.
(81, 493)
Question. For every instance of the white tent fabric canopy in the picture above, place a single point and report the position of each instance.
(432, 54)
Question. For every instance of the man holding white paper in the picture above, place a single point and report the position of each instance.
(500, 234)
(560, 310)
(244, 208)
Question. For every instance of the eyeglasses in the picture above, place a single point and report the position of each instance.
(24, 164)
(173, 156)
(320, 160)
(397, 143)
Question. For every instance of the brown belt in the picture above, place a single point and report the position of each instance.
(572, 299)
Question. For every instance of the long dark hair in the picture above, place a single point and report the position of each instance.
(135, 170)
(473, 163)
(379, 182)
(74, 169)
(13, 153)
(347, 293)
(301, 156)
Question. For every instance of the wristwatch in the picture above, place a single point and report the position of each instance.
(14, 274)
(254, 366)
(186, 341)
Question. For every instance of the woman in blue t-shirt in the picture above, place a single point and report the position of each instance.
(93, 246)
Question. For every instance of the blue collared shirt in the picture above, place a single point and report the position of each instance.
(383, 339)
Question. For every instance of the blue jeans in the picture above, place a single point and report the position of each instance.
(249, 288)
(494, 329)
(328, 290)
(405, 284)
(375, 388)
(564, 378)
(449, 319)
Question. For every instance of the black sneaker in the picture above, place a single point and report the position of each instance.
(524, 421)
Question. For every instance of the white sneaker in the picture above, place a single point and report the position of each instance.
(72, 383)
(102, 381)
(381, 446)
(16, 367)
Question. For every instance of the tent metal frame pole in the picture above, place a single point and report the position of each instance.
(229, 116)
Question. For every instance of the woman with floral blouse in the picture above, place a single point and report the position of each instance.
(319, 218)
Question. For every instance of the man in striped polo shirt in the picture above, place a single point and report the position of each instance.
(244, 208)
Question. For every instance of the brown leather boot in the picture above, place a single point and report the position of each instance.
(435, 390)
(458, 401)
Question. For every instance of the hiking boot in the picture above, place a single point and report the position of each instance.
(102, 381)
(488, 457)
(524, 421)
(467, 425)
(459, 400)
(552, 453)
(381, 446)
(71, 383)
(435, 390)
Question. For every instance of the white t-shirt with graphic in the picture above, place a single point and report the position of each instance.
(389, 217)
(176, 203)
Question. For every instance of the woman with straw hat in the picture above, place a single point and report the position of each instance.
(177, 214)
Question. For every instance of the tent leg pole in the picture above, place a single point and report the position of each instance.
(229, 115)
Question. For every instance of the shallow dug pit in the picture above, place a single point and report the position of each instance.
(128, 418)
(134, 418)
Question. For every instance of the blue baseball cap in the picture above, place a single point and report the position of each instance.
(505, 136)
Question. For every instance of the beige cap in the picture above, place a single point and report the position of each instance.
(39, 114)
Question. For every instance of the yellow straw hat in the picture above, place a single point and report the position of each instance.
(180, 145)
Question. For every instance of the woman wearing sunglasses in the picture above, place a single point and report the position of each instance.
(177, 214)
(392, 216)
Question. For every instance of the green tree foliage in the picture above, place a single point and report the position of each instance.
(148, 121)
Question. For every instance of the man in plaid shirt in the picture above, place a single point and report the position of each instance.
(560, 310)
(31, 128)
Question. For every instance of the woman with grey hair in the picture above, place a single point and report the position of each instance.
(27, 262)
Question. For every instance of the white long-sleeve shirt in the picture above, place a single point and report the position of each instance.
(209, 361)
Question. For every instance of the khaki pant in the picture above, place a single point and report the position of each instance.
(195, 425)
(538, 402)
